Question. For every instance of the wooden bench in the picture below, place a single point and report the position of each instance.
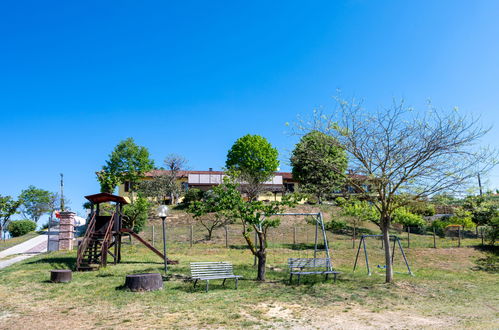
(310, 266)
(206, 271)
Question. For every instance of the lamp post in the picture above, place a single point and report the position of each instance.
(162, 212)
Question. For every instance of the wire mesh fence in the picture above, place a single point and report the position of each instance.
(299, 237)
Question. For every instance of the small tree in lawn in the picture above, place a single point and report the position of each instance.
(216, 208)
(253, 215)
(252, 160)
(8, 207)
(319, 164)
(404, 153)
(127, 163)
(36, 202)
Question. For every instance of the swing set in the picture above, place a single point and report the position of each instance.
(396, 242)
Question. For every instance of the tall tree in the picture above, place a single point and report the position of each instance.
(127, 163)
(36, 202)
(319, 164)
(164, 184)
(405, 153)
(8, 207)
(252, 160)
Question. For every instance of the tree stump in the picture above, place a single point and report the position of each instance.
(144, 282)
(61, 275)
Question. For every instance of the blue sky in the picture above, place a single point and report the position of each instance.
(191, 77)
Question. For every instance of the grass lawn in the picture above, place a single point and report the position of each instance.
(17, 240)
(452, 287)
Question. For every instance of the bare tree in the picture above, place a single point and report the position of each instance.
(164, 184)
(404, 154)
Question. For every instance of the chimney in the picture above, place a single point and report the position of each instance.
(210, 169)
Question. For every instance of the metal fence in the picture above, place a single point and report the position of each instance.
(300, 236)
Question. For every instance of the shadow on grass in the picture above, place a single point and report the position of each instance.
(141, 262)
(489, 263)
(56, 262)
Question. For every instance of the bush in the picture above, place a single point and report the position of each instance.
(136, 214)
(193, 195)
(491, 232)
(336, 225)
(20, 227)
(421, 208)
(408, 219)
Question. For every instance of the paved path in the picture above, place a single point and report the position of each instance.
(25, 250)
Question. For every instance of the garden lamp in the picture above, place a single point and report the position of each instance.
(162, 212)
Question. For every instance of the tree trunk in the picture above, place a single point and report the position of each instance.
(262, 259)
(388, 256)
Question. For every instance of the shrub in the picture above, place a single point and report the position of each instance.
(336, 225)
(408, 219)
(340, 201)
(491, 232)
(193, 195)
(463, 218)
(421, 208)
(136, 214)
(20, 227)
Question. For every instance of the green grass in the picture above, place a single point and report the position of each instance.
(17, 240)
(452, 287)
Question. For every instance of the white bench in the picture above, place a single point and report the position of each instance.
(310, 266)
(206, 271)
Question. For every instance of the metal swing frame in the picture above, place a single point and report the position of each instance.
(396, 241)
(319, 221)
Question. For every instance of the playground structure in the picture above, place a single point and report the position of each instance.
(319, 223)
(396, 241)
(104, 234)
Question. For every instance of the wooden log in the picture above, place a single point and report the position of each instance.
(144, 282)
(61, 275)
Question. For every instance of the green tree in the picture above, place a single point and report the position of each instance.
(127, 163)
(252, 160)
(213, 209)
(482, 210)
(20, 227)
(36, 202)
(136, 214)
(319, 164)
(8, 207)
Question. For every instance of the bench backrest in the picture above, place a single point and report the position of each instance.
(218, 268)
(309, 263)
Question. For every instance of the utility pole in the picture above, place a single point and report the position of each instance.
(62, 192)
(480, 184)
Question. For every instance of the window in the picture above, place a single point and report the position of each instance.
(289, 187)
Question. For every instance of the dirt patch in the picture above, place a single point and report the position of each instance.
(346, 316)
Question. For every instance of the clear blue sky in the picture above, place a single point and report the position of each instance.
(191, 77)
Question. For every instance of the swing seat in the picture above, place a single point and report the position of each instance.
(310, 266)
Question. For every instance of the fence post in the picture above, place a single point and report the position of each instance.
(353, 238)
(434, 239)
(459, 236)
(152, 235)
(191, 235)
(294, 235)
(226, 237)
(408, 237)
(481, 234)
